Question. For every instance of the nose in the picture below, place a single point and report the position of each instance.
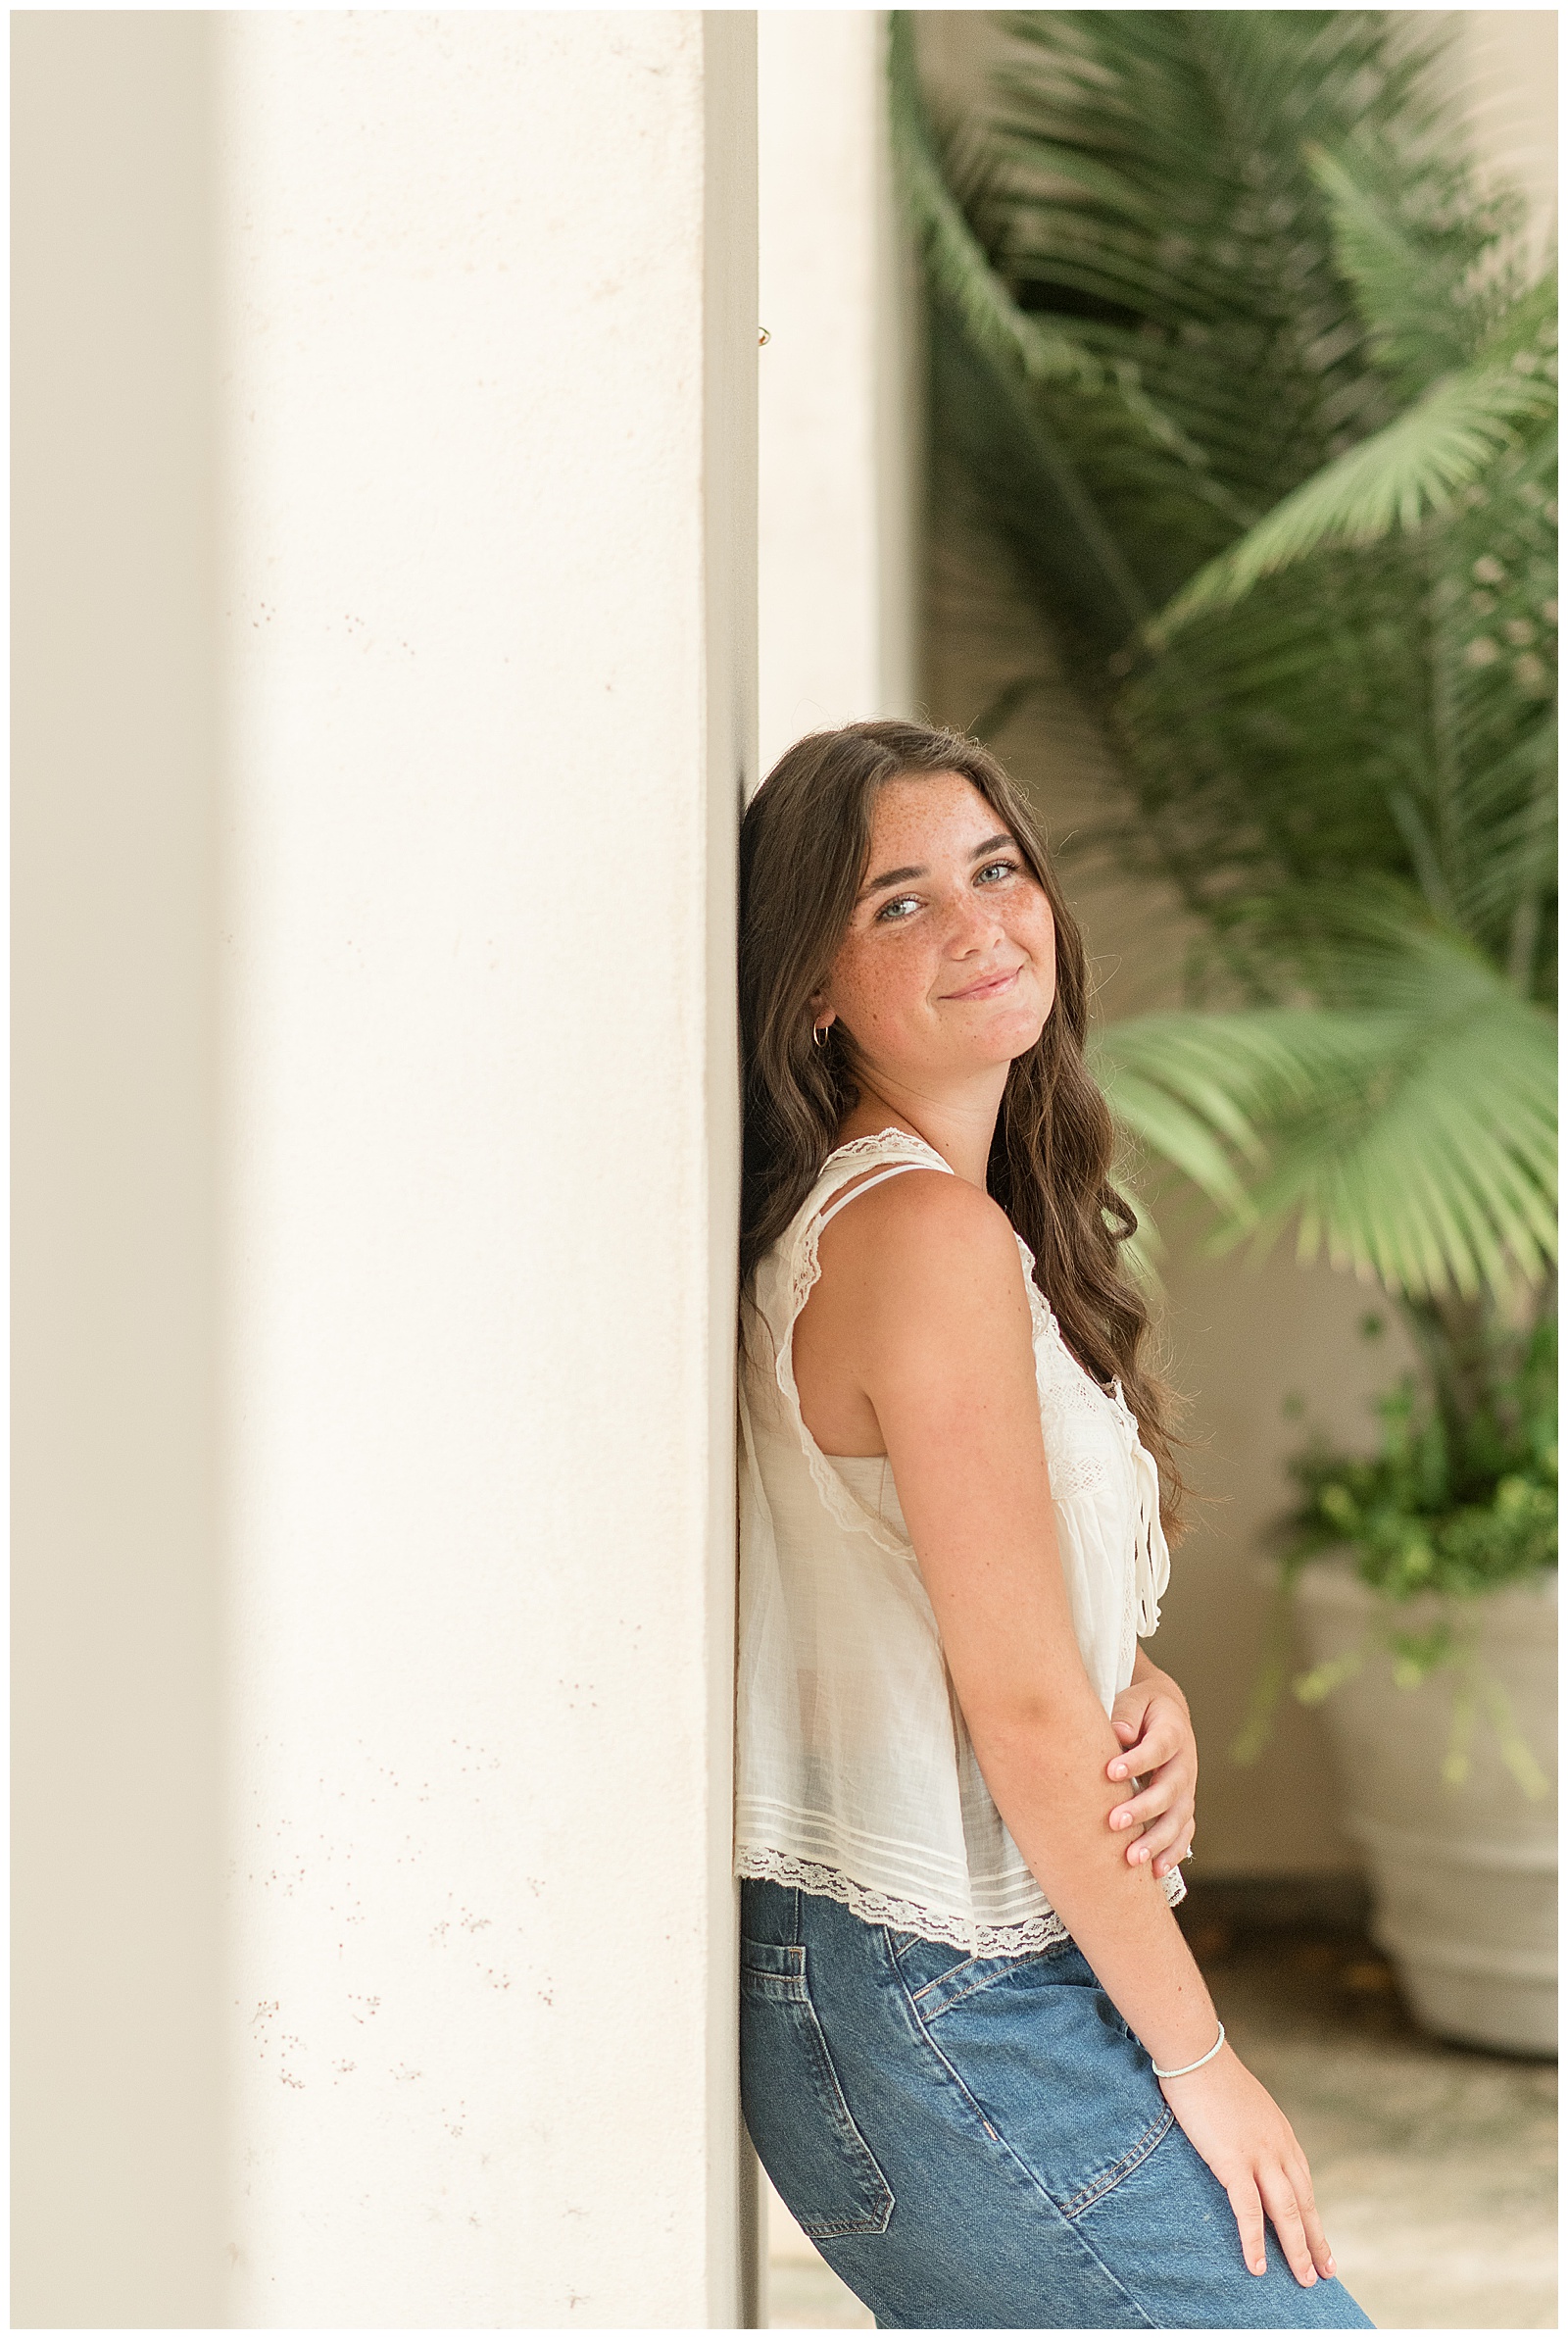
(975, 923)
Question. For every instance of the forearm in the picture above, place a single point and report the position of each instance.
(1045, 1769)
(1046, 1773)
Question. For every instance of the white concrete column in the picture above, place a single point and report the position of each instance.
(486, 392)
(837, 592)
(481, 310)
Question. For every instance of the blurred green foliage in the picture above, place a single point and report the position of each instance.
(1257, 390)
(1255, 386)
(1450, 1506)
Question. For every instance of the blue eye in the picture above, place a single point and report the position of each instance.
(900, 901)
(1008, 869)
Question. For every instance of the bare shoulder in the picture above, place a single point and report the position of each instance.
(924, 1247)
(926, 1207)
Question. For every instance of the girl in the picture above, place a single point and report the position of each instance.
(978, 2059)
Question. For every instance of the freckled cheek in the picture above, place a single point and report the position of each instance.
(1041, 943)
(876, 996)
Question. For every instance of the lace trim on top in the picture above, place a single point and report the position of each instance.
(906, 1917)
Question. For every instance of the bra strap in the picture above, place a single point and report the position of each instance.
(853, 1193)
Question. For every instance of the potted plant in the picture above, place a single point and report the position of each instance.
(1422, 1580)
(1258, 390)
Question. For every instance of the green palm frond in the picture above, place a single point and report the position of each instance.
(1388, 709)
(1403, 288)
(956, 260)
(1158, 203)
(1220, 356)
(1509, 808)
(1221, 329)
(1420, 257)
(1245, 773)
(1189, 1124)
(1411, 1137)
(1414, 466)
(1014, 354)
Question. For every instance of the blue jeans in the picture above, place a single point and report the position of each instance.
(980, 2142)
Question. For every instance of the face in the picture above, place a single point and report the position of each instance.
(950, 962)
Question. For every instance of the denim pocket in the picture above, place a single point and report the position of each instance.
(1051, 2065)
(938, 1978)
(804, 2130)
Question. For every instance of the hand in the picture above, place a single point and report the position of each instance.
(1231, 2119)
(1158, 1748)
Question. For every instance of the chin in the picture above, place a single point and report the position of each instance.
(1002, 1047)
(1015, 1038)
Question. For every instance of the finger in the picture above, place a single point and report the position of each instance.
(1154, 1743)
(1149, 1850)
(1161, 1740)
(1249, 2209)
(1160, 1839)
(1160, 1795)
(1167, 1861)
(1317, 2241)
(1279, 2196)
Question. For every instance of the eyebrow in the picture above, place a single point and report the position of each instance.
(901, 877)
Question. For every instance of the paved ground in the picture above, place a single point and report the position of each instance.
(1434, 2166)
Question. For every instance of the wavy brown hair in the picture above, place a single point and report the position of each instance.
(804, 841)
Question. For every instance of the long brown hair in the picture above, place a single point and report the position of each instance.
(804, 846)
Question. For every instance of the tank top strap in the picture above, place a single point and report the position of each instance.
(890, 1149)
(793, 1269)
(848, 1194)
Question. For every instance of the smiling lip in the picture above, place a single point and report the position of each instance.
(989, 985)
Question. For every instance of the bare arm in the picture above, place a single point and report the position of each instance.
(933, 1323)
(949, 1364)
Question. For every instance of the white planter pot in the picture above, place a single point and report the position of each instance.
(1464, 1877)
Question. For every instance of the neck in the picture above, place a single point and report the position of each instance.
(957, 1122)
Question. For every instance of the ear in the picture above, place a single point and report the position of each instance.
(820, 1008)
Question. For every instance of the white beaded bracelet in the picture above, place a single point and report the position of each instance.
(1193, 2067)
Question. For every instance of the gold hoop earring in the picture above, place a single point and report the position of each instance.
(819, 1032)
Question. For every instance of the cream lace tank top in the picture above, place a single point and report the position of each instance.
(855, 1773)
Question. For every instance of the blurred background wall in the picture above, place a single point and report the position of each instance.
(117, 2059)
